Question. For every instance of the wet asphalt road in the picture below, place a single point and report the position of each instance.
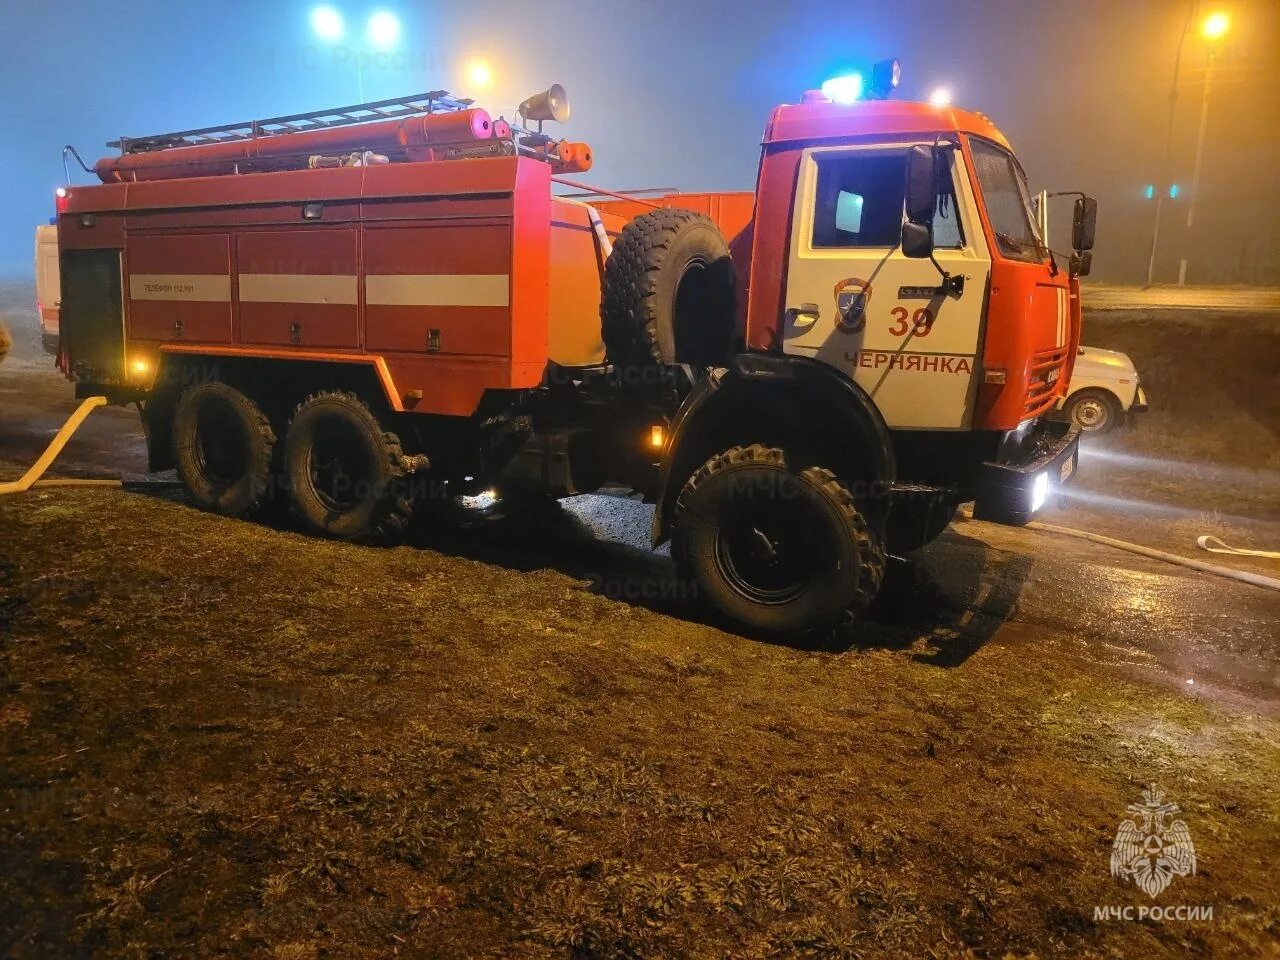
(979, 584)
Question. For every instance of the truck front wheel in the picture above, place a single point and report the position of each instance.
(222, 448)
(780, 551)
(348, 478)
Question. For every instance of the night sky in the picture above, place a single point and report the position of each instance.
(676, 92)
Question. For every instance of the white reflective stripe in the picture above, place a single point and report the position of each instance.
(438, 290)
(206, 288)
(299, 288)
(1063, 310)
(1057, 307)
(1066, 316)
(1057, 342)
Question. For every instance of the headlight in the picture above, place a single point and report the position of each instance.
(1039, 491)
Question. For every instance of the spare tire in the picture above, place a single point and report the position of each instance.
(669, 293)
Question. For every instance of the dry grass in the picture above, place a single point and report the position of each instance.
(1209, 378)
(224, 739)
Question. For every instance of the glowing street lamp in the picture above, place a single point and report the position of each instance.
(479, 76)
(326, 23)
(384, 30)
(1215, 26)
(940, 96)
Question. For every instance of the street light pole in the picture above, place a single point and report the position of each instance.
(1195, 169)
(1213, 28)
(1168, 143)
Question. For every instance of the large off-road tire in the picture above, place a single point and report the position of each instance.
(781, 551)
(1094, 411)
(222, 448)
(668, 293)
(348, 477)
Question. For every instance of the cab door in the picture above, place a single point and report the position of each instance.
(856, 302)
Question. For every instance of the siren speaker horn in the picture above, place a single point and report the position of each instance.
(551, 104)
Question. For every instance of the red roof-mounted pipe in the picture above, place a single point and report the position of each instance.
(283, 151)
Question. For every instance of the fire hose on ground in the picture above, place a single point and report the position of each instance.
(32, 479)
(1245, 576)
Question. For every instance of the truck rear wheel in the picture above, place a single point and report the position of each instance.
(778, 550)
(222, 448)
(669, 293)
(348, 478)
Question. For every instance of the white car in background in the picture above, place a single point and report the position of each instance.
(1105, 388)
(48, 285)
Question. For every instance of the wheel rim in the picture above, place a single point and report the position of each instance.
(1091, 414)
(338, 465)
(221, 447)
(769, 552)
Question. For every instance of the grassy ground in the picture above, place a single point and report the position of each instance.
(1209, 377)
(224, 739)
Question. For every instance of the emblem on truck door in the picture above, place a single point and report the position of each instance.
(852, 297)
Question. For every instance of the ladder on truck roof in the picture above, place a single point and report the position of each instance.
(434, 101)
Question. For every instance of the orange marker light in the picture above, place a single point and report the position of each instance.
(657, 436)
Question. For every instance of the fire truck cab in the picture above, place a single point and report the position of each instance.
(357, 311)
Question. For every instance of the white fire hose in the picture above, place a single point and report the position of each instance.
(1215, 545)
(1245, 576)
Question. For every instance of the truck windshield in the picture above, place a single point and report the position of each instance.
(1004, 191)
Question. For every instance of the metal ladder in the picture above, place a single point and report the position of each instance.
(434, 101)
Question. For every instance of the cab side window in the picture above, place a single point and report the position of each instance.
(860, 198)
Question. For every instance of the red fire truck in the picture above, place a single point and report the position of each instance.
(358, 310)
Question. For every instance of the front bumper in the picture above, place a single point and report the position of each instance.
(1139, 404)
(1015, 490)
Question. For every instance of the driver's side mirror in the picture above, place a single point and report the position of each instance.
(921, 201)
(1083, 224)
(917, 240)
